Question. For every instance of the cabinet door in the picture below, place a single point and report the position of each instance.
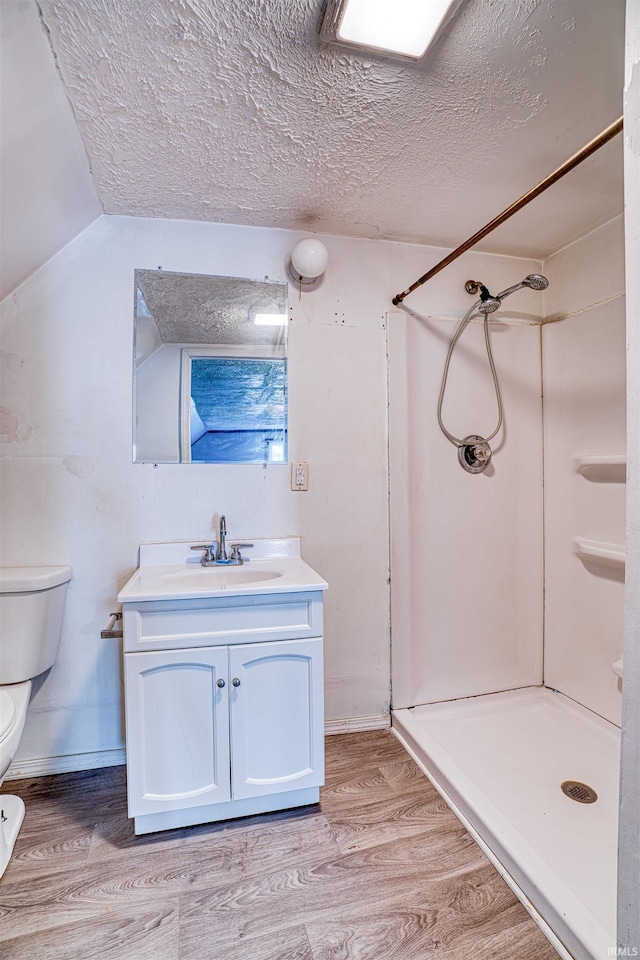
(177, 721)
(277, 717)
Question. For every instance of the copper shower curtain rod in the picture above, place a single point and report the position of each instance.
(589, 148)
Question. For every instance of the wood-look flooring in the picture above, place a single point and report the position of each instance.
(380, 870)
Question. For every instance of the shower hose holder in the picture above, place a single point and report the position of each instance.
(474, 454)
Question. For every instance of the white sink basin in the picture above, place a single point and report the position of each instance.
(212, 577)
(169, 571)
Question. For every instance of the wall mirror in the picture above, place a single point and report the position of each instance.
(209, 369)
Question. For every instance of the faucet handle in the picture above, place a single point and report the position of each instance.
(209, 551)
(235, 551)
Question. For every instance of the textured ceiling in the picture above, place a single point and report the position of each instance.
(233, 111)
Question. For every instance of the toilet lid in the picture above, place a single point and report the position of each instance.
(7, 713)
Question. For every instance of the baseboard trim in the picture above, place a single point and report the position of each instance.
(48, 766)
(357, 725)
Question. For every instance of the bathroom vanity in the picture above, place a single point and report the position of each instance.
(223, 685)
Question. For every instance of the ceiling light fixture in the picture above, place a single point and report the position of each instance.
(404, 28)
(309, 259)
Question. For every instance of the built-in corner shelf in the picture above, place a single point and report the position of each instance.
(607, 554)
(607, 468)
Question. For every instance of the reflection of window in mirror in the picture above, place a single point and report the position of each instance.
(233, 409)
(210, 369)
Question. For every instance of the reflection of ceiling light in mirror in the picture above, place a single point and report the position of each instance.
(270, 319)
(401, 27)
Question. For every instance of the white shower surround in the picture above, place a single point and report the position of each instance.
(584, 415)
(458, 625)
(466, 550)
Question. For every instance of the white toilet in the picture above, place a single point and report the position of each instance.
(31, 608)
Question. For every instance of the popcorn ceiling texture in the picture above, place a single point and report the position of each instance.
(189, 308)
(233, 111)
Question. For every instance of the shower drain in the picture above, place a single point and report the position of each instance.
(579, 791)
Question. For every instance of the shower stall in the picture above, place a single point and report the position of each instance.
(507, 584)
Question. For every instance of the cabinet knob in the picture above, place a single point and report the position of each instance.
(221, 683)
(236, 682)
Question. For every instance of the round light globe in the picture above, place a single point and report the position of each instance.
(310, 258)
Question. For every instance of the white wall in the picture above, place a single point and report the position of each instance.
(466, 549)
(46, 194)
(629, 839)
(71, 493)
(584, 415)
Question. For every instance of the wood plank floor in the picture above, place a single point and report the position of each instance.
(380, 870)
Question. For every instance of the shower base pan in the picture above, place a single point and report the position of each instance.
(499, 761)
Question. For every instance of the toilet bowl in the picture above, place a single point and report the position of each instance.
(31, 608)
(14, 700)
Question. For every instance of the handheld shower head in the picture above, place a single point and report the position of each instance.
(488, 304)
(536, 281)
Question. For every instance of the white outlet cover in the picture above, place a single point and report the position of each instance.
(300, 476)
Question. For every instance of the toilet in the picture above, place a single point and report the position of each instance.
(31, 608)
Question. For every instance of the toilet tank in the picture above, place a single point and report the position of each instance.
(31, 608)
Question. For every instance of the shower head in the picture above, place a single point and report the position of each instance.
(536, 281)
(487, 304)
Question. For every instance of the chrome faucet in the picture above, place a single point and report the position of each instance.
(215, 554)
(236, 557)
(222, 545)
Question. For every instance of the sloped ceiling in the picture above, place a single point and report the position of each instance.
(233, 111)
(47, 195)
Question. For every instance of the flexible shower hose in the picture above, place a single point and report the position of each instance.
(462, 326)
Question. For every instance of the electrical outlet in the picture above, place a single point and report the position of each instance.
(299, 476)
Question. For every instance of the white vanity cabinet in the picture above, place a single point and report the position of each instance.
(224, 707)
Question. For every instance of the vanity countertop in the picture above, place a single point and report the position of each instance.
(172, 571)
